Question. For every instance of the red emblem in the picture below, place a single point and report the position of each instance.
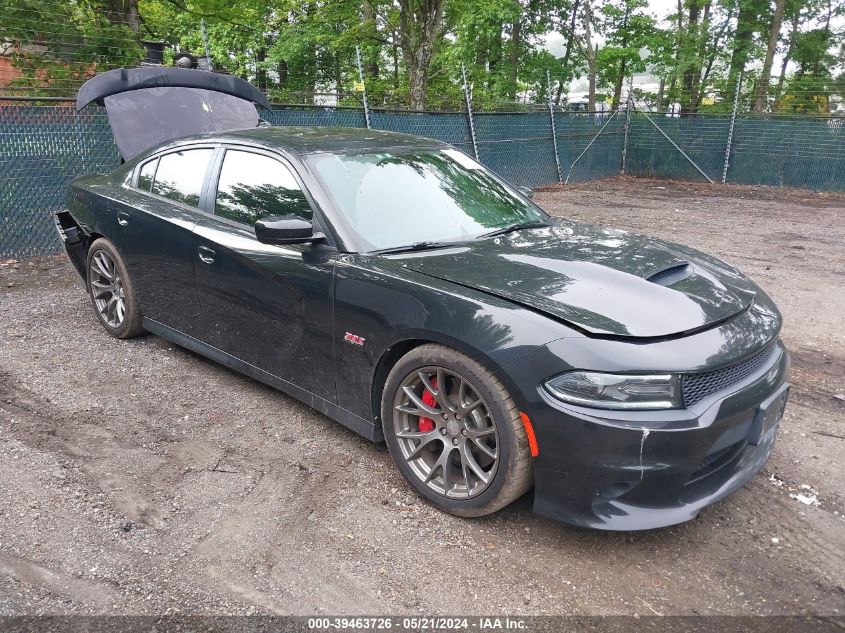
(349, 337)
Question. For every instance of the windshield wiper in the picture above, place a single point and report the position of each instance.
(515, 227)
(416, 246)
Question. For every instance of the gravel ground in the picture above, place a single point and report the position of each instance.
(138, 478)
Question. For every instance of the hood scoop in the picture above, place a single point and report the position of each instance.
(671, 274)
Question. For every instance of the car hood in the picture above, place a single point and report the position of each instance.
(600, 281)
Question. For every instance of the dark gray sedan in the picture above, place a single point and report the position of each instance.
(399, 287)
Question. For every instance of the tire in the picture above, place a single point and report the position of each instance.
(111, 291)
(439, 448)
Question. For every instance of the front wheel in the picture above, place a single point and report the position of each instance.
(111, 291)
(454, 432)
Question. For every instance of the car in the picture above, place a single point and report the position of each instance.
(399, 287)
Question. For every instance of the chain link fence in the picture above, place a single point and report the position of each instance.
(43, 147)
(781, 151)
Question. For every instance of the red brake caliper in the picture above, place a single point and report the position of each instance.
(427, 424)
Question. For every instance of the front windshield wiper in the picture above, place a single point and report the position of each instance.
(515, 227)
(416, 246)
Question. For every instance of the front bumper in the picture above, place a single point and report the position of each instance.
(628, 470)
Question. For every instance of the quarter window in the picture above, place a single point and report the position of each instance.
(254, 186)
(148, 172)
(180, 175)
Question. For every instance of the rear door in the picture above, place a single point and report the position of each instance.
(268, 305)
(159, 242)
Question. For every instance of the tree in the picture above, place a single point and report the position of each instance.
(420, 26)
(56, 47)
(774, 36)
(124, 12)
(747, 24)
(693, 43)
(627, 32)
(412, 50)
(590, 52)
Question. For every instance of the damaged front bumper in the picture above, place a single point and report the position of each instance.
(650, 469)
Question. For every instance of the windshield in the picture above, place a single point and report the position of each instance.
(391, 200)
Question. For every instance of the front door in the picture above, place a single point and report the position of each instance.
(270, 306)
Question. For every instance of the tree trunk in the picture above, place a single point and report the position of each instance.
(371, 53)
(786, 57)
(714, 48)
(418, 80)
(395, 53)
(133, 18)
(672, 84)
(617, 90)
(494, 56)
(124, 12)
(692, 70)
(660, 89)
(282, 69)
(743, 41)
(516, 43)
(761, 99)
(590, 52)
(260, 70)
(703, 39)
(568, 52)
(420, 24)
(338, 77)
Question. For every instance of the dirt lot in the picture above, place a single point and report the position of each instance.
(136, 477)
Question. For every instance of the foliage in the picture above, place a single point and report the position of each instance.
(413, 51)
(55, 47)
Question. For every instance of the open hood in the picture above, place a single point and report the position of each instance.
(148, 106)
(602, 282)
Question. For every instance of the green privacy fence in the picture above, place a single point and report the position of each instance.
(780, 151)
(43, 147)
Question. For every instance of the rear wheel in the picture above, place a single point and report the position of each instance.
(111, 291)
(454, 432)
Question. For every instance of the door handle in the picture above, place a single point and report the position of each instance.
(206, 254)
(122, 218)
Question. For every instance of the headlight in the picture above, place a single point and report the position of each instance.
(617, 391)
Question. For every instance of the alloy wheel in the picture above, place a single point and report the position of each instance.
(107, 289)
(446, 433)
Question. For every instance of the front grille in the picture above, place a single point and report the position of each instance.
(698, 386)
(714, 461)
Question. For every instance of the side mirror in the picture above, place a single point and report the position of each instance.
(286, 229)
(528, 192)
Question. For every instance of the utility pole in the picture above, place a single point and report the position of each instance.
(205, 44)
(731, 130)
(552, 122)
(468, 99)
(629, 105)
(362, 85)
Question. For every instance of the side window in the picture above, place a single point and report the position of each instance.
(148, 172)
(253, 186)
(179, 175)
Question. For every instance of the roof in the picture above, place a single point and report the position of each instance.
(306, 140)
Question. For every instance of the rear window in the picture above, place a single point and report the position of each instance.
(148, 172)
(180, 175)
